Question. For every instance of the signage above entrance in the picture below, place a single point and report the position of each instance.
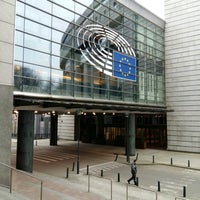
(107, 51)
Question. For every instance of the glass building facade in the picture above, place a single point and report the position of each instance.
(50, 60)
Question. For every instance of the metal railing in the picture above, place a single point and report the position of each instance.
(126, 189)
(23, 173)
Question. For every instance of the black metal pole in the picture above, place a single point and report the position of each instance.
(118, 177)
(78, 157)
(158, 186)
(127, 138)
(184, 191)
(78, 146)
(67, 173)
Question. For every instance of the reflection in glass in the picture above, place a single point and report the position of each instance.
(48, 58)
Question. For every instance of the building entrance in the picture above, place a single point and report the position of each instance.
(110, 129)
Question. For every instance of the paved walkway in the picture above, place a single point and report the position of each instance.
(81, 186)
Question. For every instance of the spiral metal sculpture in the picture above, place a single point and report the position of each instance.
(97, 43)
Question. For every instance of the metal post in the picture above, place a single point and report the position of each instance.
(78, 157)
(78, 146)
(153, 159)
(67, 173)
(41, 190)
(158, 186)
(118, 179)
(111, 189)
(184, 191)
(102, 173)
(73, 166)
(137, 181)
(127, 138)
(171, 161)
(188, 163)
(88, 183)
(127, 191)
(11, 180)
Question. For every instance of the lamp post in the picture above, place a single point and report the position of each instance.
(78, 139)
(127, 137)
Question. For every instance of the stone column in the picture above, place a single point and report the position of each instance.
(7, 20)
(130, 135)
(25, 140)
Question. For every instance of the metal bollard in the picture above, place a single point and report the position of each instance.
(153, 159)
(118, 178)
(188, 163)
(67, 173)
(87, 169)
(73, 166)
(184, 191)
(137, 181)
(158, 186)
(78, 167)
(102, 173)
(171, 161)
(88, 183)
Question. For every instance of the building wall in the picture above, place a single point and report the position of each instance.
(182, 50)
(7, 16)
(66, 127)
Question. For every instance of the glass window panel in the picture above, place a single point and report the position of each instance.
(19, 8)
(150, 34)
(57, 76)
(116, 86)
(36, 43)
(36, 57)
(62, 12)
(44, 5)
(19, 23)
(140, 38)
(36, 79)
(55, 62)
(18, 75)
(18, 53)
(81, 9)
(57, 36)
(151, 26)
(56, 49)
(19, 38)
(61, 25)
(38, 16)
(36, 72)
(37, 29)
(140, 29)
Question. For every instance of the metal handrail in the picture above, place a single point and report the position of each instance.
(25, 173)
(127, 185)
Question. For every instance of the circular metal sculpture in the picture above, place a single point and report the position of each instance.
(97, 44)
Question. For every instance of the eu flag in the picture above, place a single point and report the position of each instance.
(124, 66)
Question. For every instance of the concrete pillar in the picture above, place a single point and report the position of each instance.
(25, 140)
(7, 21)
(100, 129)
(130, 135)
(54, 130)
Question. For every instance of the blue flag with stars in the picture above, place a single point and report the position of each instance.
(124, 66)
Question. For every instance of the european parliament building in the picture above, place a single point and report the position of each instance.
(99, 71)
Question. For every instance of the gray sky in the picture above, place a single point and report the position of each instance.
(155, 6)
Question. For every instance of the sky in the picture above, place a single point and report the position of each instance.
(155, 6)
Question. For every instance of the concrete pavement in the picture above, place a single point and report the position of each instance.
(82, 186)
